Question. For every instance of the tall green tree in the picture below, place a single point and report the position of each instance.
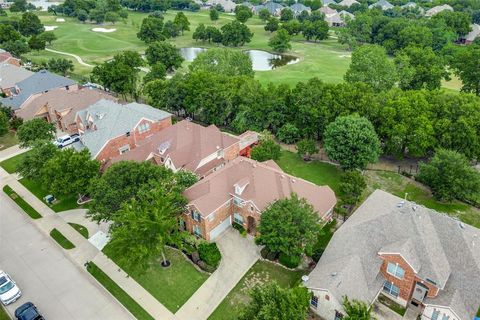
(19, 6)
(16, 48)
(243, 13)
(61, 66)
(267, 149)
(264, 14)
(30, 25)
(35, 130)
(165, 53)
(306, 148)
(236, 34)
(465, 65)
(272, 24)
(200, 33)
(151, 29)
(214, 15)
(157, 71)
(356, 310)
(280, 42)
(352, 185)
(371, 65)
(182, 22)
(270, 301)
(352, 142)
(32, 163)
(316, 30)
(289, 226)
(8, 33)
(36, 43)
(286, 15)
(4, 126)
(223, 61)
(48, 37)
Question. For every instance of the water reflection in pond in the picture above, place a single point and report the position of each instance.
(261, 60)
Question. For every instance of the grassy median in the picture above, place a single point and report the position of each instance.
(80, 229)
(61, 240)
(22, 203)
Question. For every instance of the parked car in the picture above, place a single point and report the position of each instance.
(66, 140)
(28, 311)
(9, 291)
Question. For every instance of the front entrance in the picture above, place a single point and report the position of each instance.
(251, 225)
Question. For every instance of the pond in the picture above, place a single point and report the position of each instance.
(261, 60)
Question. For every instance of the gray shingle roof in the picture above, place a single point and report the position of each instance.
(271, 6)
(11, 75)
(384, 4)
(297, 8)
(39, 82)
(437, 246)
(112, 120)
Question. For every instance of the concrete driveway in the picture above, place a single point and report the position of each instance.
(59, 288)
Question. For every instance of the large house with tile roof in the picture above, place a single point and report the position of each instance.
(241, 191)
(414, 256)
(108, 129)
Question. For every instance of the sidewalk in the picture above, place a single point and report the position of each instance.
(11, 152)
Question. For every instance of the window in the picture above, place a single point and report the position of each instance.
(251, 208)
(314, 301)
(144, 127)
(338, 315)
(127, 134)
(445, 317)
(238, 202)
(395, 270)
(197, 231)
(391, 289)
(195, 215)
(183, 225)
(211, 217)
(238, 218)
(435, 314)
(124, 149)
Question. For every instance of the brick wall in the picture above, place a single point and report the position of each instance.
(231, 152)
(406, 284)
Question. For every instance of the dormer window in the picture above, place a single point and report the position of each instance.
(395, 270)
(144, 127)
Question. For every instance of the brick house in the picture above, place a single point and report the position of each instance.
(241, 191)
(6, 57)
(108, 129)
(60, 106)
(190, 146)
(414, 256)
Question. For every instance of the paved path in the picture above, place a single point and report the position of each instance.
(11, 152)
(79, 216)
(238, 256)
(79, 60)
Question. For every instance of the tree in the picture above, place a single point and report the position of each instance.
(352, 142)
(293, 27)
(3, 124)
(157, 71)
(170, 30)
(371, 65)
(352, 184)
(267, 149)
(16, 48)
(69, 172)
(420, 68)
(165, 53)
(30, 25)
(289, 226)
(182, 22)
(213, 34)
(465, 65)
(97, 15)
(60, 66)
(31, 165)
(236, 34)
(19, 6)
(112, 17)
(151, 29)
(214, 15)
(356, 310)
(143, 226)
(272, 24)
(280, 42)
(185, 179)
(317, 30)
(36, 43)
(120, 183)
(286, 15)
(35, 130)
(200, 33)
(243, 13)
(458, 22)
(264, 14)
(48, 37)
(8, 33)
(270, 301)
(288, 133)
(223, 61)
(82, 15)
(306, 148)
(450, 177)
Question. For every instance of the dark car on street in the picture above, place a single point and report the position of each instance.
(28, 311)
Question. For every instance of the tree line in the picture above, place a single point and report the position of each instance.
(93, 10)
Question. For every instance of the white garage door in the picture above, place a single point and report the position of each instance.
(220, 228)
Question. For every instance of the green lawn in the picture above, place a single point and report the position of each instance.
(118, 292)
(61, 239)
(61, 204)
(10, 165)
(3, 314)
(262, 272)
(80, 229)
(320, 173)
(8, 140)
(21, 203)
(172, 286)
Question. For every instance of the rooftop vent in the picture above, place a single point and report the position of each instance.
(400, 204)
(100, 115)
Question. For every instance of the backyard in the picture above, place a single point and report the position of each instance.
(261, 272)
(171, 286)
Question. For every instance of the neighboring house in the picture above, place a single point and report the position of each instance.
(241, 191)
(327, 2)
(10, 75)
(383, 4)
(192, 147)
(108, 129)
(35, 85)
(348, 3)
(227, 5)
(298, 8)
(435, 10)
(417, 257)
(472, 35)
(327, 11)
(274, 8)
(409, 5)
(6, 57)
(60, 106)
(338, 19)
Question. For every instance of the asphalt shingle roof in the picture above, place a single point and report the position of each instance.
(11, 75)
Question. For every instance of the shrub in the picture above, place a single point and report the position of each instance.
(205, 267)
(209, 253)
(288, 133)
(272, 256)
(240, 229)
(289, 261)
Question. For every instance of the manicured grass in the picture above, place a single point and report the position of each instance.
(8, 140)
(392, 305)
(3, 314)
(21, 203)
(10, 165)
(80, 229)
(61, 240)
(262, 272)
(130, 304)
(320, 173)
(61, 204)
(172, 286)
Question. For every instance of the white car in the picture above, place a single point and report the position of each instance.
(9, 291)
(66, 140)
